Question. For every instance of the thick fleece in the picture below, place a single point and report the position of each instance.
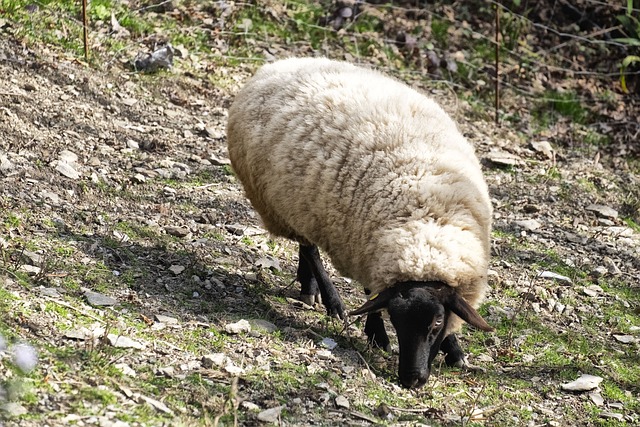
(368, 169)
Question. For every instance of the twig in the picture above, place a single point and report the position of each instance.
(64, 304)
(85, 30)
(497, 82)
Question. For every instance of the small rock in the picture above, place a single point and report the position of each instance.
(177, 231)
(213, 359)
(625, 339)
(250, 406)
(219, 161)
(543, 147)
(271, 415)
(68, 156)
(596, 398)
(120, 341)
(600, 271)
(139, 178)
(328, 343)
(615, 415)
(99, 300)
(612, 268)
(13, 409)
(233, 369)
(529, 224)
(502, 158)
(262, 325)
(603, 211)
(165, 319)
(131, 143)
(238, 327)
(167, 371)
(49, 292)
(325, 355)
(156, 404)
(125, 369)
(584, 383)
(31, 270)
(176, 269)
(5, 165)
(67, 170)
(342, 402)
(268, 262)
(592, 290)
(556, 276)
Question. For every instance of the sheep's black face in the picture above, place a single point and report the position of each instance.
(420, 321)
(419, 312)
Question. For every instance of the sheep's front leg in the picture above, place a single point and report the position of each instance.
(314, 278)
(454, 356)
(376, 333)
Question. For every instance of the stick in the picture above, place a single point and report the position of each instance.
(85, 30)
(497, 82)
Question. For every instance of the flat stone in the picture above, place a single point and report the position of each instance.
(31, 270)
(585, 383)
(262, 325)
(543, 147)
(268, 262)
(121, 341)
(165, 319)
(49, 292)
(67, 170)
(503, 158)
(213, 359)
(342, 402)
(68, 156)
(625, 339)
(603, 211)
(271, 415)
(596, 398)
(554, 276)
(99, 300)
(177, 231)
(238, 327)
(529, 224)
(592, 290)
(176, 269)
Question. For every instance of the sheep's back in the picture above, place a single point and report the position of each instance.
(340, 156)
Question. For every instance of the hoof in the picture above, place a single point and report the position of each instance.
(311, 299)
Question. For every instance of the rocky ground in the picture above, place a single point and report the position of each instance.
(130, 260)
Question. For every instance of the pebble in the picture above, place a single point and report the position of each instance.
(271, 415)
(584, 383)
(268, 262)
(176, 269)
(99, 300)
(5, 165)
(543, 147)
(213, 359)
(177, 231)
(238, 327)
(625, 339)
(139, 178)
(67, 170)
(342, 402)
(529, 224)
(603, 211)
(121, 341)
(556, 276)
(133, 144)
(165, 319)
(592, 290)
(596, 398)
(261, 325)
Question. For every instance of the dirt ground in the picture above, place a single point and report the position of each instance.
(120, 184)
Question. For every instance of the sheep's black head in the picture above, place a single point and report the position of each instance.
(420, 312)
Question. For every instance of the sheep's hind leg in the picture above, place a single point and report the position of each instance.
(314, 278)
(309, 293)
(454, 356)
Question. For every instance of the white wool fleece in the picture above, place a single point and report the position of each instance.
(374, 173)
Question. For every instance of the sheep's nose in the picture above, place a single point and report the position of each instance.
(414, 379)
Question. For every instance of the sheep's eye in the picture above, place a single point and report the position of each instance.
(437, 323)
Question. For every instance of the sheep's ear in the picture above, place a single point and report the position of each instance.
(467, 313)
(376, 302)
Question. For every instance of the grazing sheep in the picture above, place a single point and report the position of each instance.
(377, 175)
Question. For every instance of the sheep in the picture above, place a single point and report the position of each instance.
(377, 175)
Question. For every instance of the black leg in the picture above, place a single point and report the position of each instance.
(309, 293)
(453, 353)
(374, 328)
(330, 297)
